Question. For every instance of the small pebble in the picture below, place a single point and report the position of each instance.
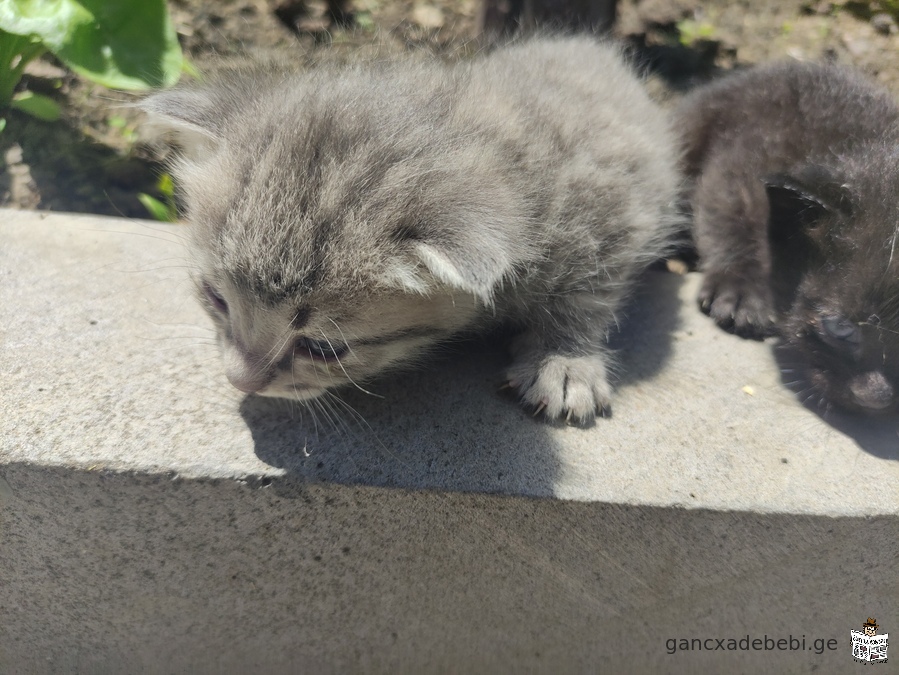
(428, 16)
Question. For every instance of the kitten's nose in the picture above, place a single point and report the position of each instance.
(246, 377)
(247, 385)
(872, 390)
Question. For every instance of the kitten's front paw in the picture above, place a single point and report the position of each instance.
(572, 386)
(744, 307)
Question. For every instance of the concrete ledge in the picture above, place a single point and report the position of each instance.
(154, 519)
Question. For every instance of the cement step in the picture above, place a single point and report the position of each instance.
(154, 519)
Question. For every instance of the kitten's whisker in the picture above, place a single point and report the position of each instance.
(342, 336)
(358, 416)
(137, 234)
(312, 414)
(315, 370)
(320, 404)
(272, 355)
(314, 408)
(344, 425)
(892, 249)
(339, 363)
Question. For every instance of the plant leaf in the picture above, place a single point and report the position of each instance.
(50, 20)
(156, 208)
(166, 185)
(36, 105)
(18, 49)
(122, 44)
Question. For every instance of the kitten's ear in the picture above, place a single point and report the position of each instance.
(472, 255)
(803, 197)
(473, 271)
(189, 117)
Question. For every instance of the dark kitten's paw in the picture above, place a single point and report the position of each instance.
(737, 305)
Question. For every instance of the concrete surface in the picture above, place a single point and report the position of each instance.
(153, 519)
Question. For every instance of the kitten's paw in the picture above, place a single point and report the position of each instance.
(743, 307)
(574, 387)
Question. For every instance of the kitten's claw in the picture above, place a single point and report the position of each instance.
(737, 305)
(573, 387)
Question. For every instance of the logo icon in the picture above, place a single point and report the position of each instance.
(867, 645)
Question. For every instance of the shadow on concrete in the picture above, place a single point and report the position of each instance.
(876, 435)
(443, 426)
(446, 426)
(643, 342)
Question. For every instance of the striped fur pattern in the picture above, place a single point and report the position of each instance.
(347, 219)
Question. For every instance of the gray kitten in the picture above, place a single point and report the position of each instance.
(344, 220)
(796, 210)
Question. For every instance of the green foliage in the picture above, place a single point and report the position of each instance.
(165, 210)
(121, 126)
(690, 32)
(36, 105)
(121, 44)
(865, 9)
(15, 53)
(364, 21)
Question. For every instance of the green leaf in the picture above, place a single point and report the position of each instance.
(122, 44)
(50, 20)
(156, 208)
(692, 32)
(2, 124)
(18, 50)
(365, 21)
(166, 185)
(36, 105)
(191, 70)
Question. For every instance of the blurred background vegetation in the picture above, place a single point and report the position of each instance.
(69, 68)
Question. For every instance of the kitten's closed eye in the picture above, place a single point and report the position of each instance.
(319, 350)
(216, 300)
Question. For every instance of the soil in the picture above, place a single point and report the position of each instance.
(92, 159)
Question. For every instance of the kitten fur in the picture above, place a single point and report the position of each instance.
(345, 220)
(796, 170)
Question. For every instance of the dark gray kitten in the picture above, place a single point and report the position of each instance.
(344, 220)
(796, 209)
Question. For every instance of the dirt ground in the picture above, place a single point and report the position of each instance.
(93, 161)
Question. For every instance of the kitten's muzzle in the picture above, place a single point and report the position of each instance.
(248, 385)
(244, 375)
(872, 391)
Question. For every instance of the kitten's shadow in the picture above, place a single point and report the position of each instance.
(642, 342)
(443, 426)
(876, 435)
(446, 426)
